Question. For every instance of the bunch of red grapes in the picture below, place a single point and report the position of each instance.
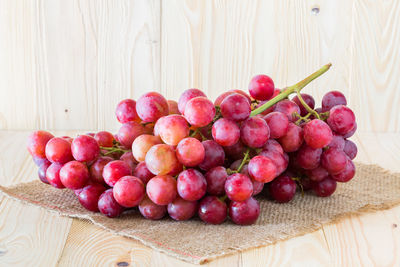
(198, 157)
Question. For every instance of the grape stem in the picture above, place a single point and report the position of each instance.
(307, 107)
(291, 89)
(244, 160)
(111, 150)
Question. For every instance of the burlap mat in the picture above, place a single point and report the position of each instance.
(373, 188)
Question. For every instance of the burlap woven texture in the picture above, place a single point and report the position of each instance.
(373, 188)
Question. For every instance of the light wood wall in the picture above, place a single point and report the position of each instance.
(66, 64)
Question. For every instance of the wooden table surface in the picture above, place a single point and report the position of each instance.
(31, 236)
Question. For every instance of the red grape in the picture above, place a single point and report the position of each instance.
(347, 174)
(235, 107)
(293, 138)
(53, 175)
(278, 124)
(225, 132)
(261, 87)
(173, 107)
(262, 169)
(236, 151)
(142, 144)
(126, 111)
(333, 160)
(317, 134)
(190, 152)
(129, 191)
(89, 196)
(161, 159)
(254, 132)
(341, 119)
(337, 142)
(212, 210)
(289, 108)
(283, 188)
(281, 160)
(142, 172)
(58, 150)
(161, 189)
(74, 175)
(332, 99)
(317, 174)
(216, 178)
(324, 188)
(128, 158)
(221, 98)
(181, 210)
(309, 101)
(350, 149)
(214, 155)
(308, 158)
(96, 169)
(115, 170)
(273, 145)
(199, 111)
(85, 148)
(151, 106)
(40, 161)
(108, 205)
(150, 210)
(129, 132)
(244, 213)
(42, 172)
(186, 96)
(238, 187)
(351, 133)
(172, 129)
(37, 143)
(191, 185)
(104, 138)
(257, 186)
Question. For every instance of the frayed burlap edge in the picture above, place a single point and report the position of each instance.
(233, 250)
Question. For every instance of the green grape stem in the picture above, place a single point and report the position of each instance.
(291, 89)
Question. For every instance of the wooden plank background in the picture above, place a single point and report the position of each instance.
(66, 64)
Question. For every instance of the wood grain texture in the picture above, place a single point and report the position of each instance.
(66, 64)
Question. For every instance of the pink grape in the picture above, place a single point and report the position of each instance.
(216, 178)
(289, 108)
(293, 138)
(74, 175)
(225, 132)
(172, 129)
(341, 119)
(104, 138)
(317, 174)
(142, 172)
(89, 196)
(190, 152)
(128, 158)
(273, 145)
(238, 187)
(129, 191)
(309, 101)
(115, 170)
(173, 107)
(262, 169)
(181, 210)
(214, 155)
(235, 107)
(85, 148)
(199, 111)
(142, 144)
(96, 169)
(161, 189)
(161, 159)
(191, 185)
(129, 132)
(254, 132)
(278, 124)
(347, 174)
(332, 99)
(244, 213)
(186, 96)
(37, 143)
(108, 205)
(333, 160)
(261, 87)
(53, 175)
(317, 134)
(309, 158)
(42, 172)
(212, 210)
(350, 149)
(126, 111)
(58, 150)
(150, 210)
(151, 106)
